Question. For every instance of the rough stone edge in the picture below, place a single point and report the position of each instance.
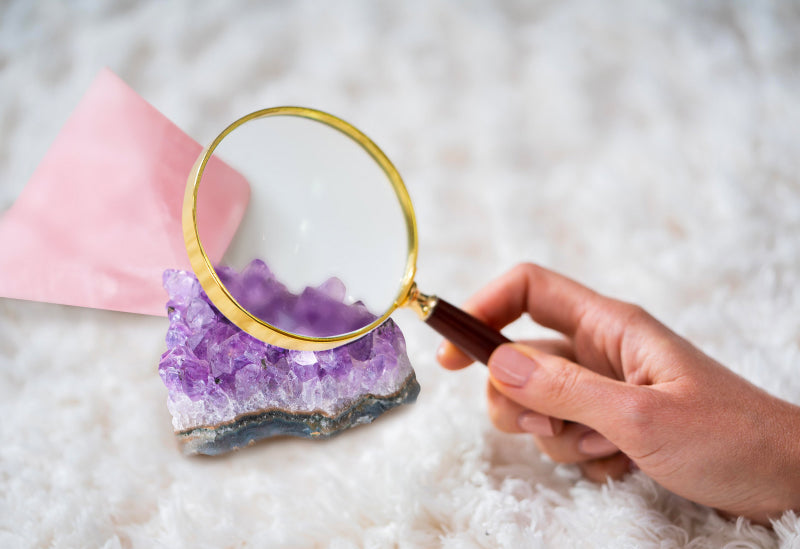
(247, 429)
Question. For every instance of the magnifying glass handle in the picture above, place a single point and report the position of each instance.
(464, 330)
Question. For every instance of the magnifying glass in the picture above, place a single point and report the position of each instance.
(327, 249)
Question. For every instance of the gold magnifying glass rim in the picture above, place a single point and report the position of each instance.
(219, 294)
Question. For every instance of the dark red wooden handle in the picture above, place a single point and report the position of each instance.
(464, 330)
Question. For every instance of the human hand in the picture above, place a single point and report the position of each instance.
(621, 388)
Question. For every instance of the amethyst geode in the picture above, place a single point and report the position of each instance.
(227, 389)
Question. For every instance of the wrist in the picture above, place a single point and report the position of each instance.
(787, 468)
(775, 460)
(793, 440)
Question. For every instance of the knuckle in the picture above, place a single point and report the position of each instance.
(496, 418)
(635, 314)
(594, 471)
(556, 452)
(498, 421)
(527, 270)
(492, 406)
(499, 413)
(504, 423)
(526, 267)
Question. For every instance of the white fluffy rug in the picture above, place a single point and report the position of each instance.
(649, 150)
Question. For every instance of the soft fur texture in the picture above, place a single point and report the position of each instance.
(650, 150)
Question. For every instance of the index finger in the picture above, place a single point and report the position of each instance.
(551, 299)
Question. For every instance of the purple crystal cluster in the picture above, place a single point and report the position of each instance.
(227, 388)
(317, 312)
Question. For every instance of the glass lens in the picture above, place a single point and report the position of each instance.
(322, 249)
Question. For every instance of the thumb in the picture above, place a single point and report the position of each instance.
(557, 387)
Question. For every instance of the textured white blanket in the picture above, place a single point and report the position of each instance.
(650, 150)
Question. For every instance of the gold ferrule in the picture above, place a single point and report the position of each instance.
(422, 304)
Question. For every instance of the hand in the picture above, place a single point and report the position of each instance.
(621, 388)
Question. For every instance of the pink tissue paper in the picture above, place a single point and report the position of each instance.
(100, 219)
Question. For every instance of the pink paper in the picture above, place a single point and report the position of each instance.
(100, 219)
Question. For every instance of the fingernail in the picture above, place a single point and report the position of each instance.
(509, 366)
(596, 445)
(536, 424)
